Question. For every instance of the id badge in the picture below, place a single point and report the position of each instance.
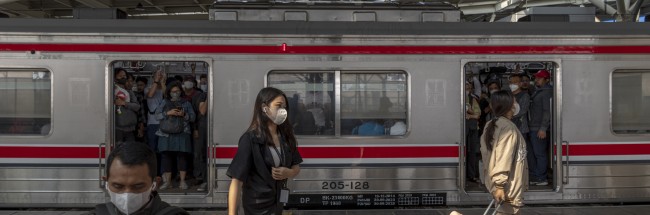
(284, 195)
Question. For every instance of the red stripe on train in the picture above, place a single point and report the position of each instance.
(329, 152)
(49, 152)
(607, 149)
(279, 49)
(362, 152)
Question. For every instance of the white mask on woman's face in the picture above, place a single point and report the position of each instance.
(129, 203)
(279, 117)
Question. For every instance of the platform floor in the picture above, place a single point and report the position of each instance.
(529, 210)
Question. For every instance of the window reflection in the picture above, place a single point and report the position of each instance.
(26, 105)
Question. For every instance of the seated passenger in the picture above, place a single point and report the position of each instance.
(369, 128)
(131, 182)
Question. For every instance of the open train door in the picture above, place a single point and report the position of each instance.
(482, 77)
(183, 158)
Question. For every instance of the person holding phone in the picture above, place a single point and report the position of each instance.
(175, 146)
(266, 157)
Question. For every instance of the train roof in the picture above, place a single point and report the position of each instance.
(202, 27)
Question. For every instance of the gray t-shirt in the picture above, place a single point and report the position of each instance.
(153, 103)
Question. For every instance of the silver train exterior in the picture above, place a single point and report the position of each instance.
(62, 168)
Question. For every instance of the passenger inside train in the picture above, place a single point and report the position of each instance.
(534, 120)
(371, 103)
(145, 83)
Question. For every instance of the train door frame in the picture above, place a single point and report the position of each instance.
(110, 124)
(556, 159)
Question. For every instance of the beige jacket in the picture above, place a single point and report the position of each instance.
(501, 170)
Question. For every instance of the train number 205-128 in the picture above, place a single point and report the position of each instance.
(340, 185)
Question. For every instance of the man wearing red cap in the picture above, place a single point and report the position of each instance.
(540, 120)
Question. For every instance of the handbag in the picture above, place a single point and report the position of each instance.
(126, 118)
(172, 124)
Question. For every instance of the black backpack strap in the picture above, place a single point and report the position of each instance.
(171, 210)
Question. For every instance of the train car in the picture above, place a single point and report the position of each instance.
(404, 78)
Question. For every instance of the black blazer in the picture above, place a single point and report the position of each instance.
(252, 165)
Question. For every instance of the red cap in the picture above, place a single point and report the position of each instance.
(542, 74)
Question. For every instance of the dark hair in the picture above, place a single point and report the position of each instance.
(260, 120)
(172, 85)
(494, 81)
(203, 76)
(118, 70)
(501, 103)
(141, 79)
(178, 78)
(520, 76)
(133, 154)
(130, 76)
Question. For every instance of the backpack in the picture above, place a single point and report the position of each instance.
(172, 124)
(126, 117)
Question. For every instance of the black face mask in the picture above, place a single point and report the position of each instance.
(121, 81)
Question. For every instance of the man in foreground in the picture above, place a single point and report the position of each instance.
(131, 182)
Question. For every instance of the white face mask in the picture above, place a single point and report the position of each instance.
(514, 87)
(493, 91)
(516, 109)
(188, 85)
(280, 115)
(129, 203)
(204, 87)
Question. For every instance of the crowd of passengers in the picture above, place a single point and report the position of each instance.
(169, 115)
(532, 117)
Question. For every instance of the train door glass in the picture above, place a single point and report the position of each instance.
(146, 93)
(532, 86)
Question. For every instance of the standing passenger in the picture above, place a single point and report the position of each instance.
(526, 84)
(126, 108)
(266, 157)
(140, 84)
(503, 149)
(154, 96)
(472, 115)
(175, 146)
(200, 140)
(540, 119)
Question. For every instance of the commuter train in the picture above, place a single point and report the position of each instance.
(57, 114)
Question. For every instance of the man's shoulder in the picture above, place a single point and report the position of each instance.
(100, 209)
(171, 210)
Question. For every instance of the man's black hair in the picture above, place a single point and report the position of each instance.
(141, 79)
(133, 154)
(118, 70)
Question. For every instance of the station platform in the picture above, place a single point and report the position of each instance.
(476, 210)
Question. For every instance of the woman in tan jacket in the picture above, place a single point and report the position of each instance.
(503, 151)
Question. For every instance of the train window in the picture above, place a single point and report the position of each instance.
(310, 98)
(373, 104)
(630, 101)
(26, 102)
